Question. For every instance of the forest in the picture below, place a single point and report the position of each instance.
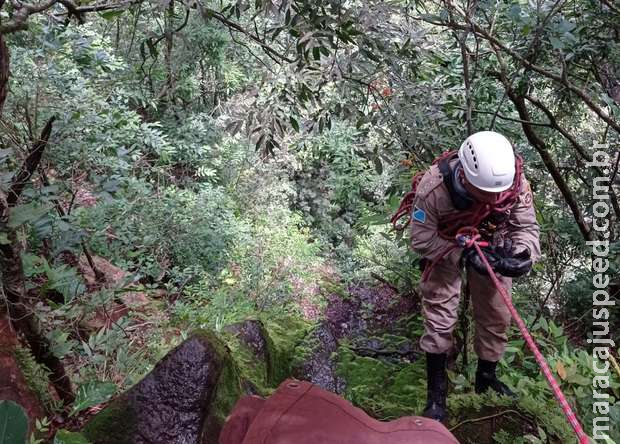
(225, 171)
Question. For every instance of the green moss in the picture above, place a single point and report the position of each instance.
(115, 423)
(304, 349)
(384, 390)
(490, 418)
(229, 390)
(252, 370)
(66, 437)
(388, 391)
(284, 333)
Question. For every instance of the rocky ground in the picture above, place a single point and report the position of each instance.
(363, 345)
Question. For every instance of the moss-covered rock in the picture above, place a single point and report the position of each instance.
(285, 334)
(315, 361)
(263, 350)
(383, 389)
(252, 349)
(184, 399)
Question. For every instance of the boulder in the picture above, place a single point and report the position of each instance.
(264, 350)
(253, 335)
(315, 359)
(184, 399)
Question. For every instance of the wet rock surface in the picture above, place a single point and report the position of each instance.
(171, 404)
(370, 321)
(366, 310)
(251, 333)
(315, 362)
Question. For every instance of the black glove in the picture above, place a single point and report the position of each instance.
(501, 259)
(515, 265)
(472, 258)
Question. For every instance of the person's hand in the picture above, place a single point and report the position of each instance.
(514, 265)
(472, 258)
(501, 259)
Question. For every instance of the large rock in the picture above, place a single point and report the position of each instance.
(252, 349)
(264, 350)
(315, 359)
(253, 335)
(184, 400)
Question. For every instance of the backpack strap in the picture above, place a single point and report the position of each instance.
(460, 199)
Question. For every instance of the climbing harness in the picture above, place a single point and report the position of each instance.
(467, 237)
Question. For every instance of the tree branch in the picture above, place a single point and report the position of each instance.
(30, 164)
(557, 77)
(540, 145)
(208, 13)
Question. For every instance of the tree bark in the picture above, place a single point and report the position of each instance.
(609, 81)
(4, 72)
(20, 310)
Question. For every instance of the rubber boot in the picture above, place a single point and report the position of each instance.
(486, 379)
(437, 386)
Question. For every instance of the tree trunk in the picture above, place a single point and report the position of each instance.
(12, 277)
(539, 144)
(4, 72)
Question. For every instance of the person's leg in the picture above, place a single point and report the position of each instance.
(492, 320)
(440, 299)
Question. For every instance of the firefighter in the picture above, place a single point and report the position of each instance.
(481, 186)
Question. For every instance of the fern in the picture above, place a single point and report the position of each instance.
(37, 377)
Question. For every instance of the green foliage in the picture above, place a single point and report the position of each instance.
(13, 423)
(66, 437)
(36, 376)
(42, 427)
(573, 369)
(61, 278)
(271, 267)
(242, 162)
(151, 231)
(92, 393)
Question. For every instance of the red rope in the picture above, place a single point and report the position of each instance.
(472, 217)
(406, 204)
(472, 236)
(451, 225)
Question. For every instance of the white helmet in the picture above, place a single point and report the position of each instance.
(488, 161)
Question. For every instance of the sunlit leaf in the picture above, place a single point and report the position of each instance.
(92, 393)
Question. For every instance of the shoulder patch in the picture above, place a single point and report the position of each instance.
(526, 197)
(418, 215)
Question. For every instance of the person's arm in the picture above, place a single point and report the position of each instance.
(425, 238)
(523, 228)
